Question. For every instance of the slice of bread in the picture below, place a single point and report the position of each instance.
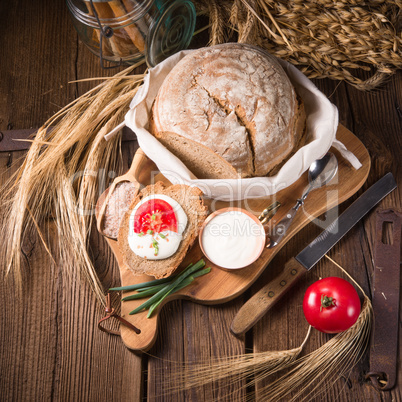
(203, 163)
(190, 200)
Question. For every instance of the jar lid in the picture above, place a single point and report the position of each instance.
(172, 32)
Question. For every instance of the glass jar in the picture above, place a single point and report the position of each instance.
(128, 30)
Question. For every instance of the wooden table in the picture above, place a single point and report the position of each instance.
(51, 348)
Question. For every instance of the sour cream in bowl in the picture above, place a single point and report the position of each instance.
(232, 238)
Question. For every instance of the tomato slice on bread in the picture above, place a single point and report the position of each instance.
(155, 216)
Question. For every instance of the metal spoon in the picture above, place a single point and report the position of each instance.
(321, 172)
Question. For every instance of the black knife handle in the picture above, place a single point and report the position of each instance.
(257, 306)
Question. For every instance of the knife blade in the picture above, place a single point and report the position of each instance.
(256, 307)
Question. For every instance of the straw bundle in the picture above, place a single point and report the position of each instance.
(60, 179)
(325, 39)
(283, 375)
(253, 367)
(314, 373)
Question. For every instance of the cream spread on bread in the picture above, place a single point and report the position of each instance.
(157, 224)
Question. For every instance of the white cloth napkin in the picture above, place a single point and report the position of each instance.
(322, 123)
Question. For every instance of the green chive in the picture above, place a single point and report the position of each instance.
(149, 231)
(162, 235)
(185, 283)
(145, 293)
(142, 285)
(155, 287)
(201, 272)
(151, 290)
(146, 285)
(151, 300)
(180, 278)
(155, 246)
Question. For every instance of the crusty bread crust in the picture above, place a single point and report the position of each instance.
(190, 200)
(237, 101)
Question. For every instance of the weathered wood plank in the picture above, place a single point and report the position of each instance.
(192, 334)
(52, 349)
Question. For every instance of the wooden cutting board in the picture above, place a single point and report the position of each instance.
(221, 285)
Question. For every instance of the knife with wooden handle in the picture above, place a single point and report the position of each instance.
(257, 306)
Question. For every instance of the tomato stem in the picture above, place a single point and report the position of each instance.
(326, 301)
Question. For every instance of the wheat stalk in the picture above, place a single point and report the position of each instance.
(59, 178)
(247, 366)
(304, 376)
(325, 39)
(251, 367)
(325, 365)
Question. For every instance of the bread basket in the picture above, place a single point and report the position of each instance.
(322, 123)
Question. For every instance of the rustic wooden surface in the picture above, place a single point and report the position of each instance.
(50, 346)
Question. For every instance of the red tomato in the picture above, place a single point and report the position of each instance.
(155, 215)
(331, 305)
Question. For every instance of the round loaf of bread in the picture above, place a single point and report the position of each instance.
(228, 111)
